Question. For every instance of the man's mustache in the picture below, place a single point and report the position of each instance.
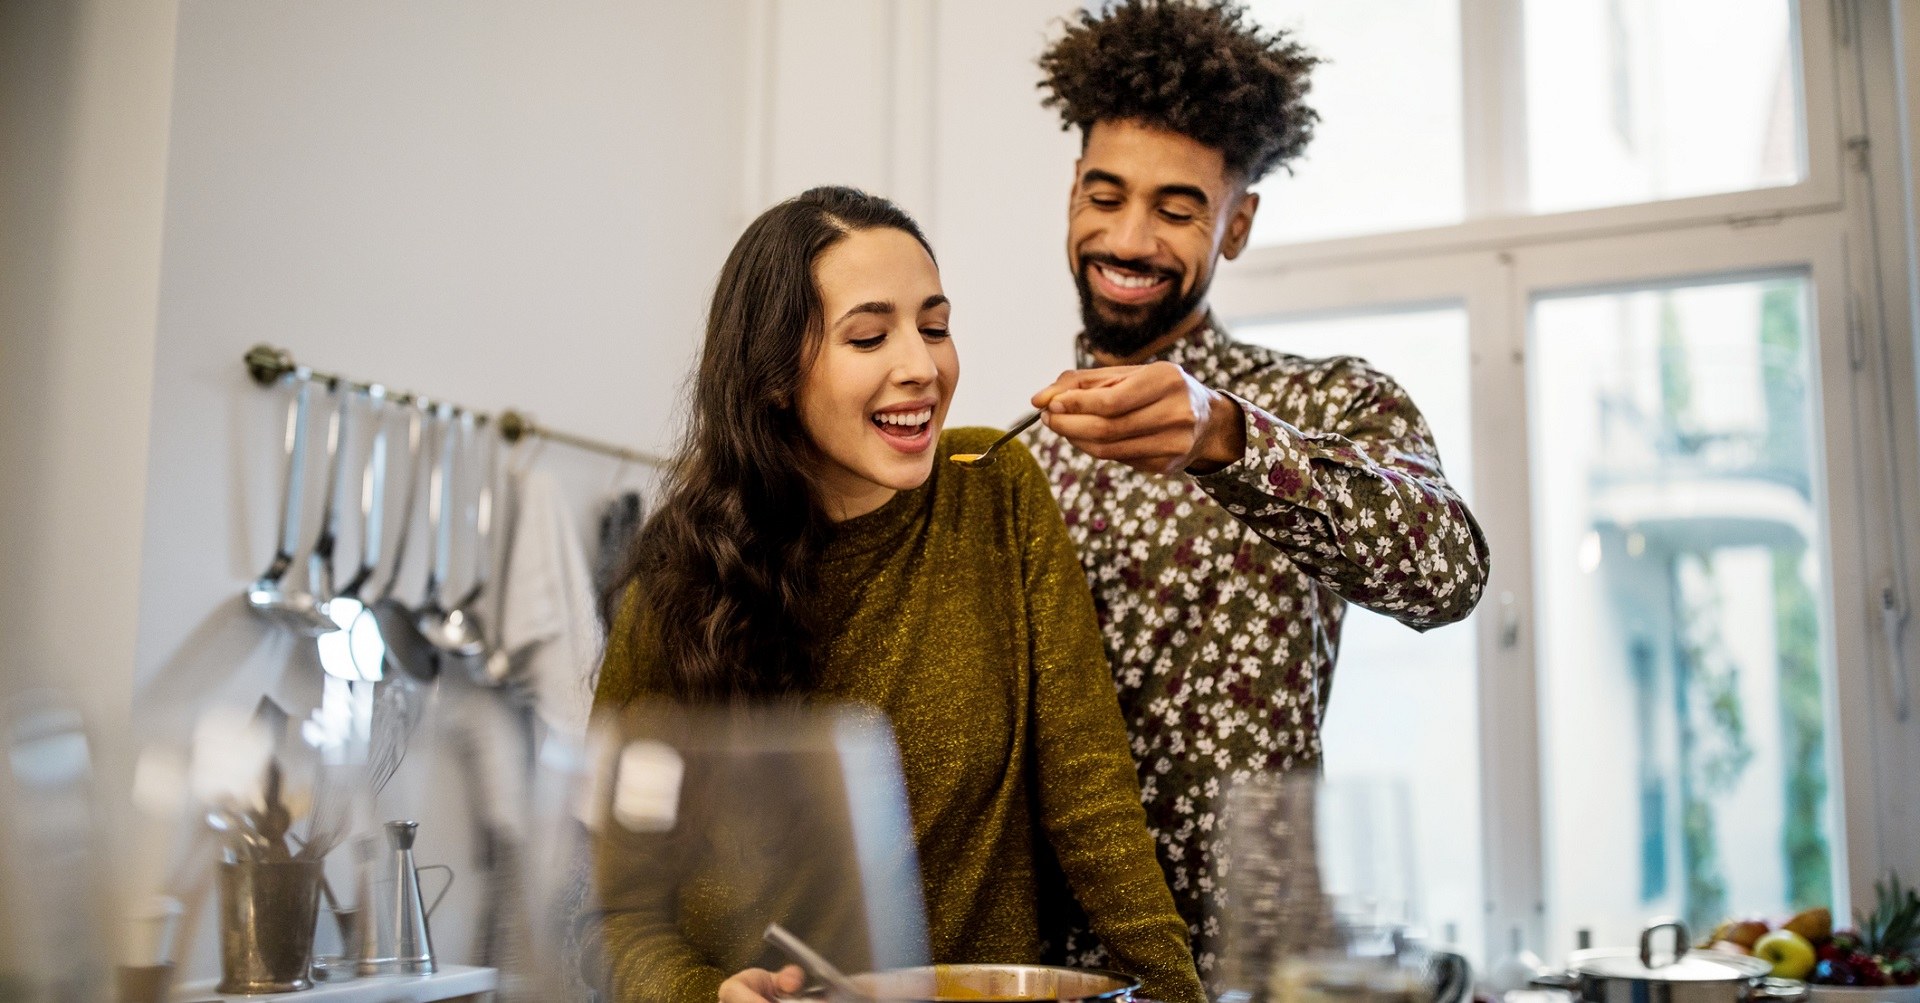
(1090, 259)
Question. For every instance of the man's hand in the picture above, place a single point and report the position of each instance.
(757, 985)
(1154, 418)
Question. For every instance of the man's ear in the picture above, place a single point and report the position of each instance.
(1240, 225)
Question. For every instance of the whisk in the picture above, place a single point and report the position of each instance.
(397, 709)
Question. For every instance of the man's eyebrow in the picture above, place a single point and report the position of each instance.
(1096, 176)
(1184, 191)
(882, 307)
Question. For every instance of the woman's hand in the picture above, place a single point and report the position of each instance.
(757, 985)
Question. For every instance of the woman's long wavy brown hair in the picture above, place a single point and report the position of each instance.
(725, 566)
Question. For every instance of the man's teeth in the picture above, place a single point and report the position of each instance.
(1128, 281)
(920, 417)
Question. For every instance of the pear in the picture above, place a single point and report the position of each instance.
(1815, 924)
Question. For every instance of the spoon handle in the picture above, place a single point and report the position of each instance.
(811, 960)
(1025, 423)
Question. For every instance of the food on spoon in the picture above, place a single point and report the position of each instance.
(965, 459)
(1791, 955)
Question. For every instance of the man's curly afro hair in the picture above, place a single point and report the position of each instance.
(1201, 68)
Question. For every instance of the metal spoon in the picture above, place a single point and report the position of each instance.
(303, 612)
(337, 650)
(449, 630)
(387, 618)
(400, 626)
(811, 960)
(985, 458)
(480, 659)
(266, 595)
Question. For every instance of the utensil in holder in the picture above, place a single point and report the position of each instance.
(267, 914)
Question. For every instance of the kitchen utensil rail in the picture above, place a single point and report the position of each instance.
(269, 365)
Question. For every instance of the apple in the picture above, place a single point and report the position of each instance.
(1815, 924)
(1729, 947)
(1791, 955)
(1746, 932)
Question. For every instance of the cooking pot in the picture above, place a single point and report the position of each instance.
(1682, 976)
(997, 983)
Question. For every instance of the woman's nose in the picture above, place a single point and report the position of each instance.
(914, 365)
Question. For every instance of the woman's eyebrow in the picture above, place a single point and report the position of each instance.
(933, 301)
(882, 307)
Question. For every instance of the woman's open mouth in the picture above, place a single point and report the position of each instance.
(1123, 285)
(909, 431)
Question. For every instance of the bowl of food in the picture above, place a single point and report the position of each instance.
(996, 984)
(1875, 961)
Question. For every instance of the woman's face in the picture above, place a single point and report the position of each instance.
(875, 395)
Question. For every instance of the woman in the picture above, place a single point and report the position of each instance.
(815, 544)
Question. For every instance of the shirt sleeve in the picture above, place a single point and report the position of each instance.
(1357, 499)
(649, 959)
(1088, 794)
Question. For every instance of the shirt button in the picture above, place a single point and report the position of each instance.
(1099, 524)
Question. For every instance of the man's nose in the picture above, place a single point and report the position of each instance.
(1132, 236)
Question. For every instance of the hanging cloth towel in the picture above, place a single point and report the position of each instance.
(550, 627)
(620, 522)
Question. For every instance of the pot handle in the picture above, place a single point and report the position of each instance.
(1771, 990)
(1557, 980)
(1681, 940)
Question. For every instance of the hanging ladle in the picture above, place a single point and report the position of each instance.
(399, 625)
(267, 595)
(337, 654)
(452, 631)
(387, 617)
(303, 610)
(478, 653)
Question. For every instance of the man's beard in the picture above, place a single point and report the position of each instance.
(1131, 328)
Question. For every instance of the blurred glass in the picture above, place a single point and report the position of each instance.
(1640, 100)
(1678, 556)
(1404, 703)
(732, 819)
(1386, 154)
(1323, 893)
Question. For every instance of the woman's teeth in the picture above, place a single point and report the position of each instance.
(1126, 280)
(905, 418)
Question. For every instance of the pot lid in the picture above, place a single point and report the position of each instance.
(1693, 966)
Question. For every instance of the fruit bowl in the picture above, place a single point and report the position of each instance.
(1864, 994)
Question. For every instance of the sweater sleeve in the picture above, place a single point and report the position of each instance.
(1359, 501)
(649, 960)
(1088, 794)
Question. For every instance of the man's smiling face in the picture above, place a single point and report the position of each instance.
(1152, 213)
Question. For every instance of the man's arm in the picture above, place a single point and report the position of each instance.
(1357, 498)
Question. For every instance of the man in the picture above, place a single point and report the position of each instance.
(1228, 500)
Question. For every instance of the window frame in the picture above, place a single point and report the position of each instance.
(1497, 264)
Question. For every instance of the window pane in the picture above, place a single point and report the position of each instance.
(1386, 154)
(1681, 654)
(1405, 704)
(1638, 100)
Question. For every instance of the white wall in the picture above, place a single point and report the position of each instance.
(83, 136)
(500, 203)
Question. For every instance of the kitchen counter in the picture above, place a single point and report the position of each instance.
(452, 982)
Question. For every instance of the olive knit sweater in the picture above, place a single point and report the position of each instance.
(960, 610)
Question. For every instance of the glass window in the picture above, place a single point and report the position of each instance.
(1638, 100)
(1678, 564)
(1386, 154)
(1405, 704)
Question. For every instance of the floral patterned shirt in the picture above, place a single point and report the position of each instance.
(1220, 595)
